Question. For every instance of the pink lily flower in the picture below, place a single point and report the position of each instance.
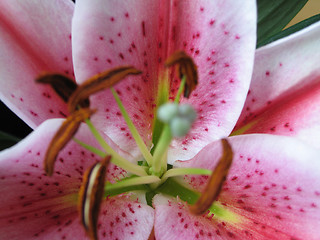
(272, 190)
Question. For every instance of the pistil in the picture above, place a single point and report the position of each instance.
(160, 159)
(178, 120)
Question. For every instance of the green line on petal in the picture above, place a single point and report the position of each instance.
(116, 158)
(143, 148)
(131, 182)
(244, 128)
(181, 87)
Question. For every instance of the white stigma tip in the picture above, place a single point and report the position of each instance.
(167, 112)
(187, 111)
(179, 117)
(179, 126)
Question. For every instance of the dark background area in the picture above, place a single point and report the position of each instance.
(12, 124)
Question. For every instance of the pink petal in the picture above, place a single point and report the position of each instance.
(273, 187)
(220, 36)
(108, 34)
(34, 37)
(174, 221)
(121, 218)
(113, 33)
(33, 204)
(285, 88)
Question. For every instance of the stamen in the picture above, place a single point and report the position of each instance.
(62, 85)
(132, 182)
(186, 68)
(90, 196)
(152, 235)
(135, 134)
(120, 162)
(116, 158)
(216, 181)
(99, 82)
(67, 130)
(90, 148)
(174, 172)
(181, 87)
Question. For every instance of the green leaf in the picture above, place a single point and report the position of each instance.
(7, 140)
(297, 27)
(274, 15)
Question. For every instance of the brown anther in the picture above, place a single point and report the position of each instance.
(67, 130)
(213, 188)
(62, 85)
(152, 236)
(185, 68)
(90, 196)
(99, 82)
